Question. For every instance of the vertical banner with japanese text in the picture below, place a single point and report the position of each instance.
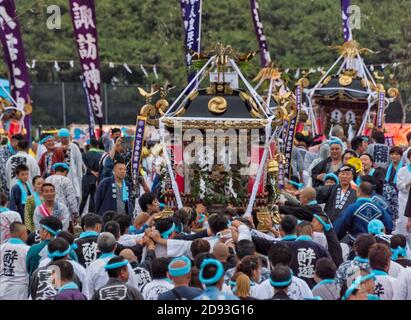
(191, 13)
(138, 146)
(290, 133)
(10, 37)
(259, 31)
(83, 15)
(380, 110)
(90, 113)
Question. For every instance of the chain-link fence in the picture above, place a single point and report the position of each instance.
(60, 104)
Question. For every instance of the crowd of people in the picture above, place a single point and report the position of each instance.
(74, 227)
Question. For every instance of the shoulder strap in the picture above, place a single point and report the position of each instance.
(44, 211)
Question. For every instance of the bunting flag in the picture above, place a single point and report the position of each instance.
(347, 33)
(259, 31)
(83, 15)
(10, 37)
(138, 147)
(90, 112)
(191, 13)
(380, 110)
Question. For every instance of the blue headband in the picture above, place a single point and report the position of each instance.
(356, 284)
(54, 233)
(399, 251)
(375, 227)
(42, 141)
(326, 226)
(60, 164)
(219, 273)
(74, 246)
(167, 233)
(59, 254)
(332, 176)
(116, 265)
(335, 141)
(296, 184)
(281, 283)
(182, 271)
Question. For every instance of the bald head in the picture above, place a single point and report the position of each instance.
(307, 194)
(221, 252)
(183, 280)
(128, 254)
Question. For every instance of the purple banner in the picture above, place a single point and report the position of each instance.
(381, 107)
(10, 37)
(259, 31)
(347, 33)
(191, 13)
(90, 113)
(138, 146)
(83, 16)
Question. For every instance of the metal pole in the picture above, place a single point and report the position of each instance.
(64, 103)
(105, 104)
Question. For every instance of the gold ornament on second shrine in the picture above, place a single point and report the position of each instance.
(217, 105)
(345, 80)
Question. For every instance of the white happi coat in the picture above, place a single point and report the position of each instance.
(79, 271)
(298, 290)
(177, 248)
(60, 211)
(152, 290)
(129, 240)
(384, 287)
(403, 178)
(14, 279)
(402, 286)
(97, 276)
(65, 192)
(21, 157)
(395, 269)
(76, 169)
